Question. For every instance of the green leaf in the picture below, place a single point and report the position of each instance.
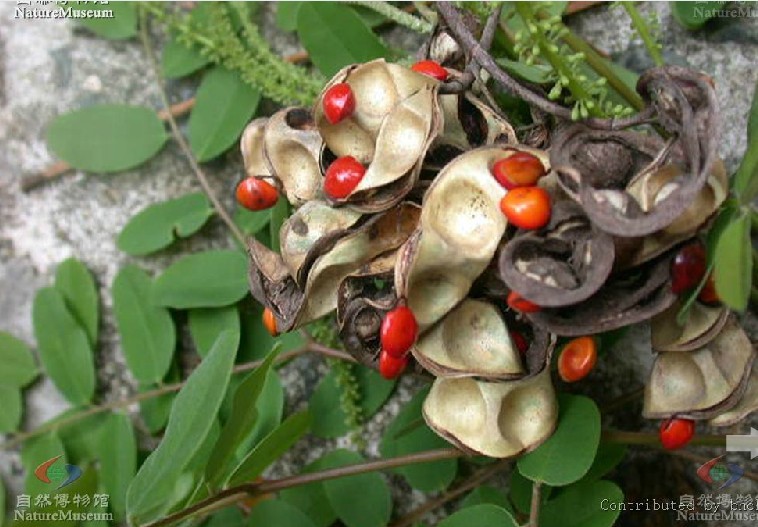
(580, 505)
(568, 454)
(243, 417)
(535, 73)
(148, 337)
(733, 264)
(369, 16)
(486, 494)
(278, 513)
(122, 24)
(608, 456)
(81, 438)
(325, 402)
(229, 517)
(272, 447)
(362, 500)
(206, 323)
(428, 477)
(311, 499)
(107, 137)
(693, 15)
(36, 451)
(520, 492)
(118, 460)
(745, 182)
(155, 411)
(270, 405)
(251, 221)
(63, 347)
(75, 283)
(224, 104)
(18, 363)
(207, 279)
(10, 416)
(286, 15)
(157, 226)
(279, 214)
(486, 514)
(335, 36)
(191, 419)
(179, 60)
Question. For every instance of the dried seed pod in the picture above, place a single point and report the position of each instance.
(746, 405)
(500, 420)
(704, 383)
(629, 297)
(395, 120)
(703, 324)
(562, 264)
(460, 229)
(363, 299)
(285, 148)
(274, 287)
(309, 232)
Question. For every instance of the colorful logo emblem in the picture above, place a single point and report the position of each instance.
(714, 472)
(49, 472)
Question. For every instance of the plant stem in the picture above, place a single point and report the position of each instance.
(475, 480)
(220, 209)
(622, 400)
(308, 347)
(652, 439)
(396, 15)
(248, 490)
(534, 508)
(641, 26)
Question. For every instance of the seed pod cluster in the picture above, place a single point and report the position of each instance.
(435, 235)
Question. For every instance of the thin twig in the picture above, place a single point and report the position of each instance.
(534, 508)
(652, 439)
(309, 347)
(248, 490)
(475, 480)
(223, 214)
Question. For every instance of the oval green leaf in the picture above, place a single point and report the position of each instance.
(311, 498)
(587, 504)
(75, 283)
(179, 60)
(223, 106)
(486, 514)
(38, 450)
(148, 337)
(286, 15)
(205, 324)
(192, 417)
(325, 401)
(208, 279)
(118, 460)
(335, 36)
(278, 513)
(272, 447)
(10, 416)
(568, 454)
(520, 492)
(157, 226)
(63, 347)
(403, 437)
(18, 363)
(484, 494)
(733, 263)
(114, 20)
(362, 500)
(251, 222)
(106, 138)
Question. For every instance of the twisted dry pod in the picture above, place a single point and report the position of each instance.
(460, 228)
(562, 264)
(286, 148)
(703, 383)
(702, 326)
(396, 118)
(746, 405)
(597, 167)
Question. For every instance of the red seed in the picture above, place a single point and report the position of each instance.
(255, 194)
(269, 322)
(688, 268)
(519, 340)
(708, 294)
(338, 102)
(520, 169)
(526, 207)
(676, 433)
(398, 332)
(391, 367)
(342, 176)
(577, 359)
(521, 304)
(430, 68)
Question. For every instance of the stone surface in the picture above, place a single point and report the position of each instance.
(49, 67)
